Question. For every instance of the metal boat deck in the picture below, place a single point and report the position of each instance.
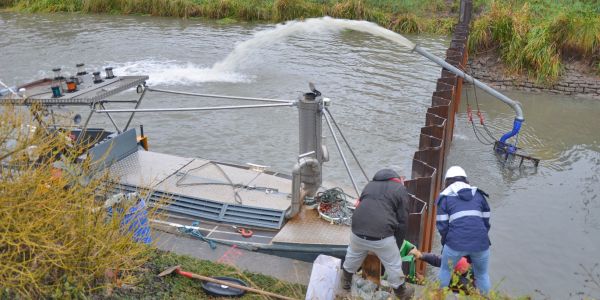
(187, 189)
(308, 228)
(220, 195)
(204, 189)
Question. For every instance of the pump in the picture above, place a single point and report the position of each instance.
(502, 146)
(307, 173)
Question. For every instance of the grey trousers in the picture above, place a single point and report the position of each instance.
(385, 249)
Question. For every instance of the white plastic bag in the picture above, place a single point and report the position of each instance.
(324, 278)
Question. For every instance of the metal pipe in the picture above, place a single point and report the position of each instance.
(347, 144)
(133, 112)
(219, 96)
(337, 144)
(85, 125)
(111, 119)
(119, 101)
(516, 106)
(298, 179)
(192, 108)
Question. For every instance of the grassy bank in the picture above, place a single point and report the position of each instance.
(538, 36)
(411, 16)
(149, 286)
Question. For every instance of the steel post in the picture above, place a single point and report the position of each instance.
(310, 121)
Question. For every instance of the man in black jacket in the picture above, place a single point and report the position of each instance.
(378, 220)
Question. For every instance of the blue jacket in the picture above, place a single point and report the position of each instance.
(463, 218)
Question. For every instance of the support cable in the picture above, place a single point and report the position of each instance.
(485, 141)
(347, 144)
(337, 144)
(479, 114)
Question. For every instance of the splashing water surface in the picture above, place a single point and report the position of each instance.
(172, 72)
(264, 38)
(175, 73)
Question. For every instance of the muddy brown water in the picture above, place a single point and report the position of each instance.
(545, 222)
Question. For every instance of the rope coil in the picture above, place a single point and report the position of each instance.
(333, 206)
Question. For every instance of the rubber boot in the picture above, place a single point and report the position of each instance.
(404, 292)
(346, 280)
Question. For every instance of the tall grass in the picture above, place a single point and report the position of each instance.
(410, 16)
(57, 240)
(535, 38)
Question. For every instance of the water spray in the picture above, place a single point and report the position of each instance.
(327, 24)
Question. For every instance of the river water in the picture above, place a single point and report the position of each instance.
(545, 222)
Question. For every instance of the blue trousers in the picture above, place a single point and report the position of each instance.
(479, 263)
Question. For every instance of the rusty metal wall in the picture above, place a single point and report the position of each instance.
(434, 141)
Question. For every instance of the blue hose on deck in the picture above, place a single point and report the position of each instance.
(197, 234)
(513, 132)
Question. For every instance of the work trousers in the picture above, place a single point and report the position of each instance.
(479, 262)
(385, 249)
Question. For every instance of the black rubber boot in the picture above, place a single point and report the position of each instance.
(346, 280)
(404, 292)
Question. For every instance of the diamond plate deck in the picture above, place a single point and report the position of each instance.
(146, 169)
(200, 188)
(208, 180)
(308, 228)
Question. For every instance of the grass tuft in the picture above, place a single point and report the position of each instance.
(406, 24)
(349, 9)
(536, 36)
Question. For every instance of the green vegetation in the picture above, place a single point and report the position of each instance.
(411, 16)
(178, 287)
(536, 36)
(57, 240)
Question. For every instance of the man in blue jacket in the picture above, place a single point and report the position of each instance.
(463, 221)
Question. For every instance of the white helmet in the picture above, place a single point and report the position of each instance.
(455, 171)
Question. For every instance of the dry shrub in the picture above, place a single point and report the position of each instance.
(57, 239)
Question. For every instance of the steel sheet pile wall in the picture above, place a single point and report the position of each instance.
(435, 138)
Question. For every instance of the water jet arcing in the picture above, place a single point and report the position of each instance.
(327, 24)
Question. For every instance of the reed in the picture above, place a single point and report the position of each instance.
(538, 36)
(409, 16)
(284, 10)
(57, 240)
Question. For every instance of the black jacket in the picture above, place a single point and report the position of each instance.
(382, 210)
